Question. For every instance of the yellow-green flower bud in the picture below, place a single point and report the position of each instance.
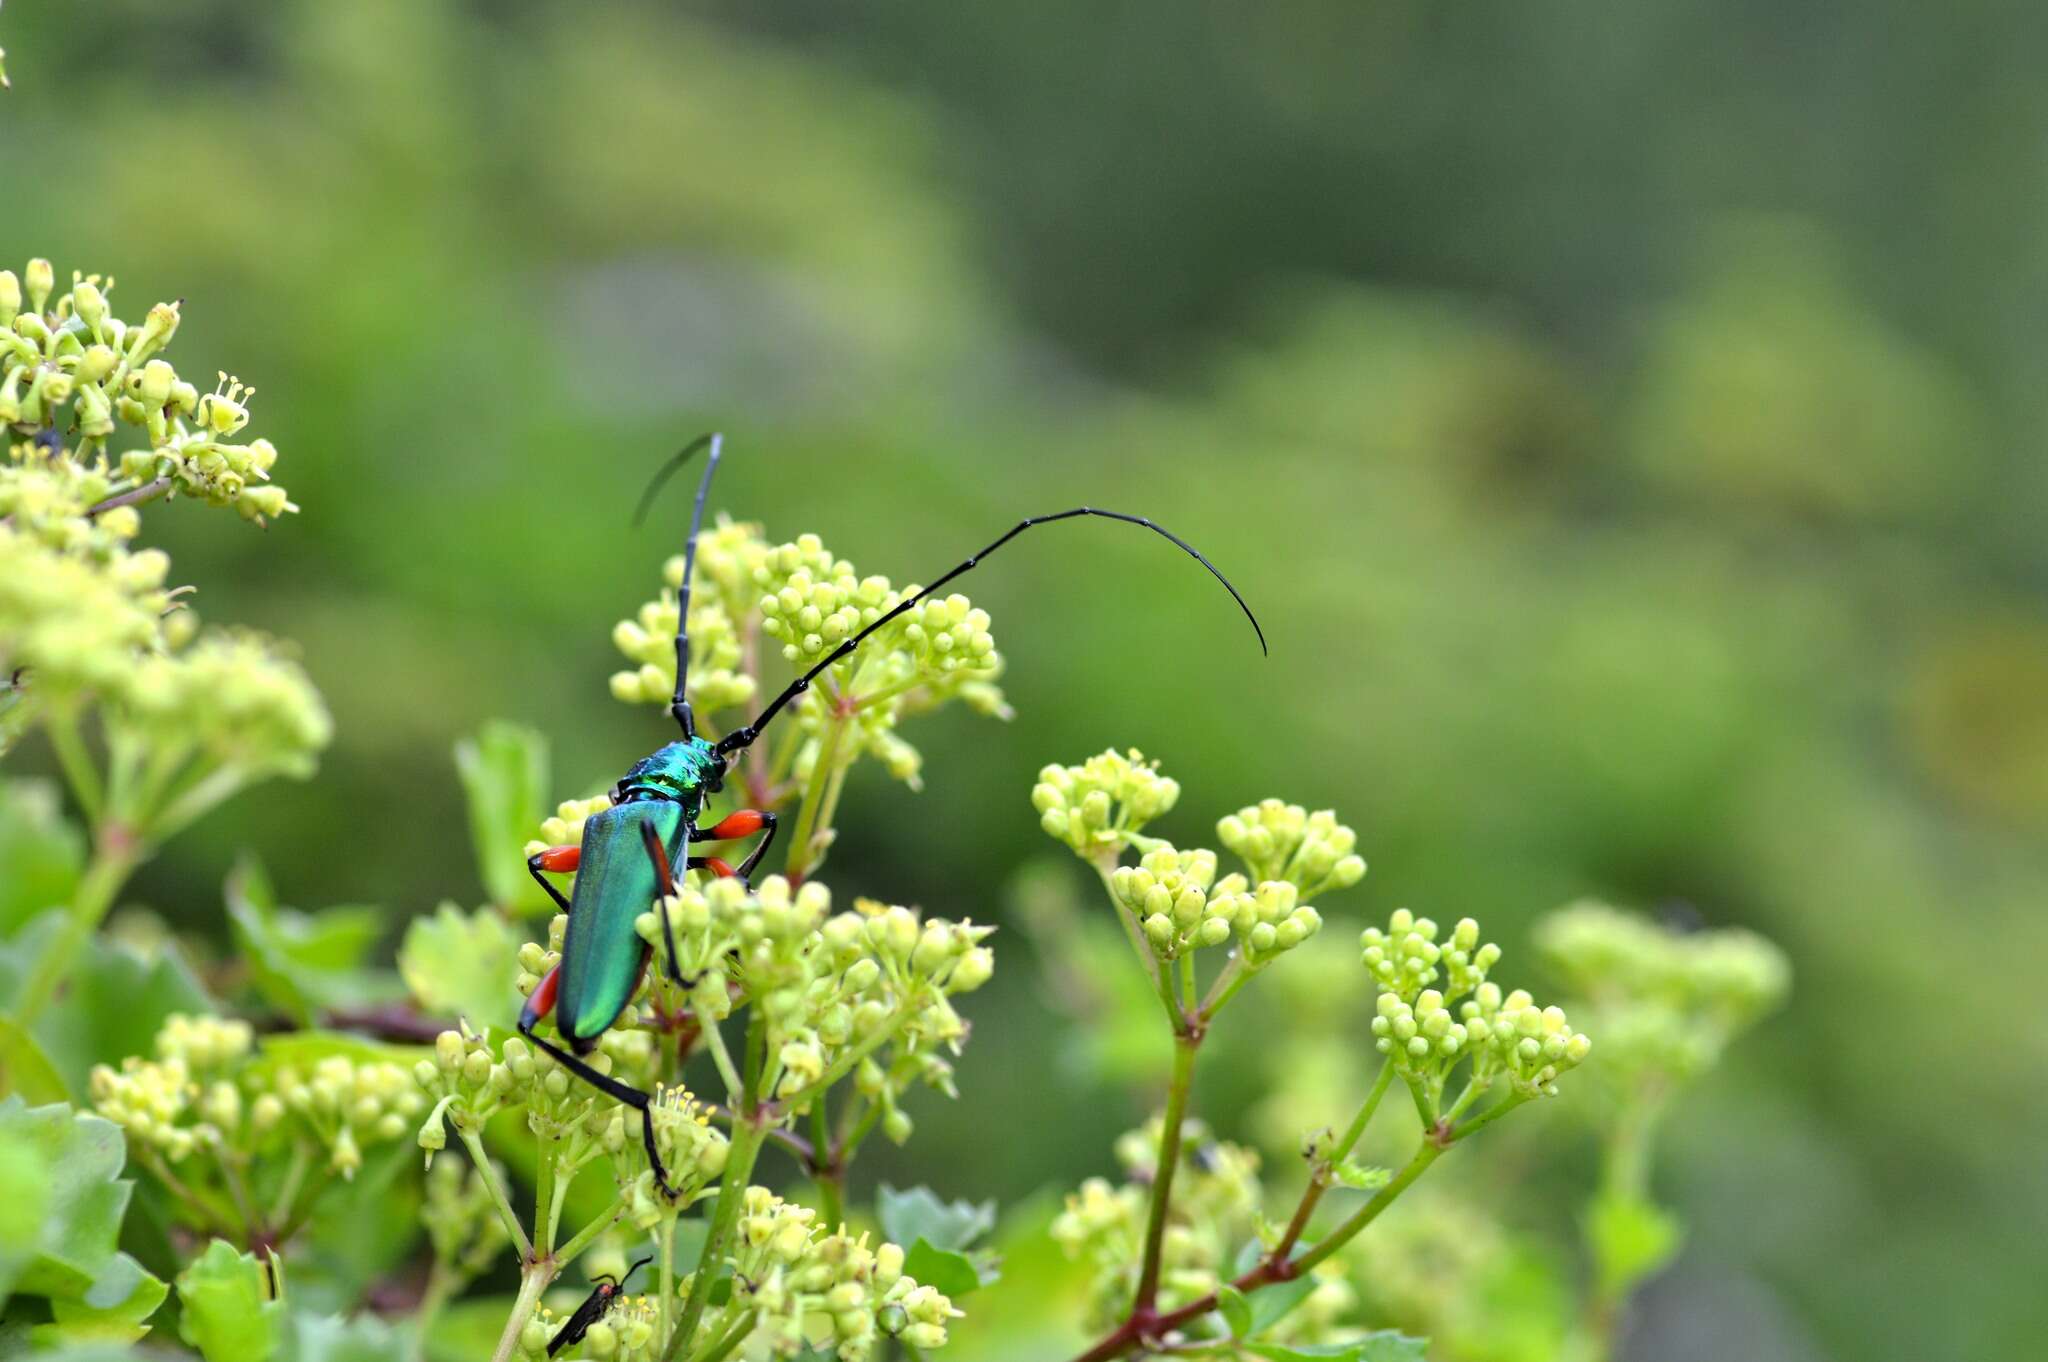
(42, 277)
(974, 970)
(90, 304)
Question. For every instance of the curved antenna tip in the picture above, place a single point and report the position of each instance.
(709, 440)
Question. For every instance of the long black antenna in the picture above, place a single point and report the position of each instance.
(679, 708)
(741, 738)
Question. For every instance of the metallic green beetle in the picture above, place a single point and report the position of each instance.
(633, 853)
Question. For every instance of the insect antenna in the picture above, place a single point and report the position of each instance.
(741, 738)
(679, 708)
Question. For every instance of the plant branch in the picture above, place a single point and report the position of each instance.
(1184, 1050)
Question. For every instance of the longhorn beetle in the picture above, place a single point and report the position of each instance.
(633, 853)
(595, 1306)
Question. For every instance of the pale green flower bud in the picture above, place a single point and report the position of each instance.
(975, 969)
(42, 278)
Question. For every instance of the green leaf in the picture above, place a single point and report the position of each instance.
(504, 772)
(82, 1201)
(1391, 1345)
(1236, 1310)
(304, 963)
(1271, 1304)
(1360, 1178)
(331, 1338)
(41, 852)
(226, 1310)
(113, 1310)
(24, 1174)
(1630, 1239)
(943, 1269)
(1387, 1345)
(461, 964)
(919, 1214)
(113, 1004)
(25, 1069)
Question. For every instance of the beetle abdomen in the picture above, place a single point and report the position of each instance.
(602, 956)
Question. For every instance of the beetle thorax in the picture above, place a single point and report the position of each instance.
(682, 770)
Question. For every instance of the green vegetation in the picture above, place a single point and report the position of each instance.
(1641, 508)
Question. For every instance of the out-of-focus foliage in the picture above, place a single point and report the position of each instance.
(1625, 420)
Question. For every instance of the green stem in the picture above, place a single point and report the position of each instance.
(440, 1286)
(1425, 1109)
(543, 1197)
(747, 1138)
(734, 1336)
(1428, 1154)
(801, 860)
(668, 1271)
(1490, 1115)
(79, 770)
(1185, 1048)
(826, 1171)
(114, 859)
(200, 799)
(720, 1056)
(581, 1240)
(1234, 977)
(1319, 1177)
(533, 1279)
(1103, 869)
(294, 1178)
(1359, 1122)
(474, 1143)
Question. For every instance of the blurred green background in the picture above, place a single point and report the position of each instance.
(1625, 418)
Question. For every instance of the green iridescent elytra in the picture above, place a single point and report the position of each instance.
(602, 955)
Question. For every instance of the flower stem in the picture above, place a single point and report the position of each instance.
(475, 1144)
(747, 1137)
(79, 770)
(802, 854)
(734, 1336)
(1185, 1048)
(1428, 1154)
(533, 1279)
(114, 858)
(581, 1240)
(1319, 1179)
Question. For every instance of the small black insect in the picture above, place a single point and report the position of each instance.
(600, 1300)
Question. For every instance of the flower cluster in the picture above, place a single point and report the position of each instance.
(1669, 1002)
(1424, 1039)
(1216, 1207)
(1281, 841)
(227, 1114)
(629, 1332)
(863, 993)
(67, 362)
(790, 1272)
(181, 1101)
(470, 1081)
(1180, 905)
(1098, 806)
(810, 601)
(85, 613)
